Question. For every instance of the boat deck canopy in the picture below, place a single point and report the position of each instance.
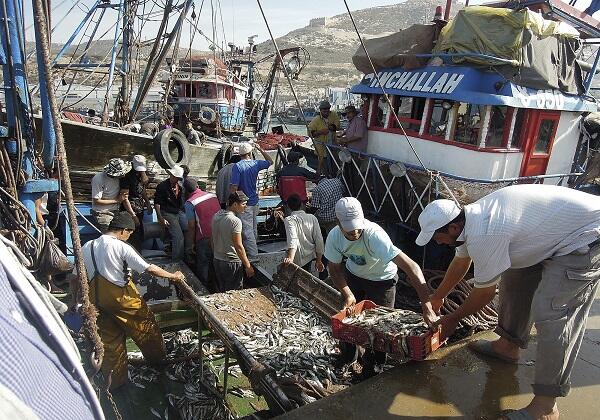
(470, 85)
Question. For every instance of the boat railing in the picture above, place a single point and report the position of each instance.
(398, 191)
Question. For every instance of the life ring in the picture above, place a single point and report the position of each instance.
(207, 115)
(162, 148)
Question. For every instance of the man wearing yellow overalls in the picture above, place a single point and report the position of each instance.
(121, 310)
(322, 130)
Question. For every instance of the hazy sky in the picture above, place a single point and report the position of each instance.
(240, 18)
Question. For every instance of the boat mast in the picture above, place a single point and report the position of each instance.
(113, 62)
(122, 105)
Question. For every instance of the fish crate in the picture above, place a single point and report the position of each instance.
(416, 347)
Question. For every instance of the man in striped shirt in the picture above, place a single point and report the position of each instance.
(540, 245)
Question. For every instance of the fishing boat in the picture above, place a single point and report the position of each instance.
(216, 93)
(452, 112)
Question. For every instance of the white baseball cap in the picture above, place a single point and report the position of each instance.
(435, 215)
(139, 163)
(245, 148)
(176, 171)
(350, 214)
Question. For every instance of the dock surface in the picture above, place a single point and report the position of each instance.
(456, 383)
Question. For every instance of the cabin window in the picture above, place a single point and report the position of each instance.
(189, 90)
(439, 118)
(468, 123)
(409, 111)
(545, 134)
(381, 112)
(204, 90)
(517, 137)
(498, 127)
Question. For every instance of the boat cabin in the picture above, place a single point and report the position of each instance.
(214, 99)
(468, 113)
(458, 114)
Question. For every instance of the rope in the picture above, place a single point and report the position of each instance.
(382, 87)
(89, 312)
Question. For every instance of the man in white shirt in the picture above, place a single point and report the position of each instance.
(122, 311)
(539, 244)
(304, 238)
(106, 192)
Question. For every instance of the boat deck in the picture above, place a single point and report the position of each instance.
(456, 383)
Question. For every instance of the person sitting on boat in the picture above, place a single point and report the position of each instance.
(200, 207)
(106, 192)
(224, 177)
(322, 130)
(291, 179)
(121, 310)
(540, 245)
(230, 258)
(134, 185)
(356, 134)
(168, 202)
(164, 123)
(243, 177)
(192, 135)
(303, 235)
(371, 269)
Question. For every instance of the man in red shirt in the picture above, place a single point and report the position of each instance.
(200, 207)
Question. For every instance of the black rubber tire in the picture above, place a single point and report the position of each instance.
(161, 148)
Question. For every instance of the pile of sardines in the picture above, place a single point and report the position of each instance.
(193, 383)
(297, 341)
(389, 321)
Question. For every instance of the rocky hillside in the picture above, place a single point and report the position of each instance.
(332, 41)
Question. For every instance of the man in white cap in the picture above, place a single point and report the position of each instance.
(168, 202)
(106, 192)
(371, 267)
(133, 186)
(243, 177)
(539, 244)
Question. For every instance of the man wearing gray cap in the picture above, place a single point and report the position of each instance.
(168, 202)
(322, 130)
(371, 267)
(540, 245)
(244, 175)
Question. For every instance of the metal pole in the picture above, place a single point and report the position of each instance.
(77, 30)
(113, 62)
(448, 9)
(592, 73)
(48, 133)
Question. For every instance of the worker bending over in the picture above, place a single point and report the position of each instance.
(371, 269)
(121, 310)
(540, 245)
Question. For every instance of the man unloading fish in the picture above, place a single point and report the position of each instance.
(122, 311)
(540, 245)
(371, 269)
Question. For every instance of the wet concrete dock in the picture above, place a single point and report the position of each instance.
(456, 383)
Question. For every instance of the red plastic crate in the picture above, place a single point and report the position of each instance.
(416, 347)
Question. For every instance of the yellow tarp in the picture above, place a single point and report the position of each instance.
(497, 32)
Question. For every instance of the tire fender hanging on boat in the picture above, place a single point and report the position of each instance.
(162, 153)
(207, 115)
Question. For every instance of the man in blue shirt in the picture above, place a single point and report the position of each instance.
(243, 177)
(371, 268)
